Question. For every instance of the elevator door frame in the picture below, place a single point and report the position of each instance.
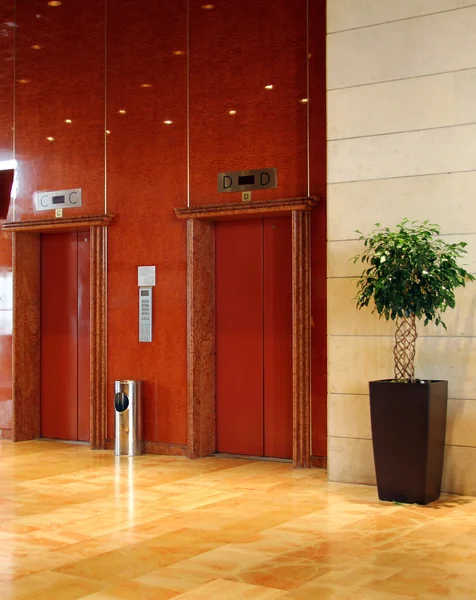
(27, 326)
(201, 318)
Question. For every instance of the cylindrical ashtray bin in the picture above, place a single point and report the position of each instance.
(128, 418)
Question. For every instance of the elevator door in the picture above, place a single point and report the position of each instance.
(65, 396)
(254, 337)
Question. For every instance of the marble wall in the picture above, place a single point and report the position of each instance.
(401, 83)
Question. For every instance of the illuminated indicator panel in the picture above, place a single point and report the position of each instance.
(61, 198)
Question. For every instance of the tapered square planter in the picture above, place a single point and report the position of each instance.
(408, 434)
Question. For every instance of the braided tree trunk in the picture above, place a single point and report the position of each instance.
(404, 348)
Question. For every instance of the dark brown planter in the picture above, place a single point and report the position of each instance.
(408, 433)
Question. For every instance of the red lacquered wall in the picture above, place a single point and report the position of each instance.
(59, 78)
(6, 78)
(146, 179)
(137, 91)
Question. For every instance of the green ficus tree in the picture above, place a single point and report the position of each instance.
(411, 274)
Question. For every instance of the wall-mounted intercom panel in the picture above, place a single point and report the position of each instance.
(146, 283)
(59, 199)
(145, 314)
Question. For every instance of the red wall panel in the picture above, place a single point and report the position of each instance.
(84, 322)
(239, 337)
(277, 338)
(7, 64)
(59, 336)
(60, 77)
(317, 173)
(236, 50)
(146, 173)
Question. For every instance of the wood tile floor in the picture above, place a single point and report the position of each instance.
(82, 524)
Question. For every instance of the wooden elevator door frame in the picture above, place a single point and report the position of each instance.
(201, 318)
(26, 322)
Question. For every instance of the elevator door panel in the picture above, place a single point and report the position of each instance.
(65, 396)
(254, 337)
(84, 409)
(59, 336)
(277, 338)
(239, 320)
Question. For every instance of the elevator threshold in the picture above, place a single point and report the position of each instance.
(76, 442)
(247, 457)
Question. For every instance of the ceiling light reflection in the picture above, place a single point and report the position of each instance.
(168, 122)
(36, 47)
(50, 138)
(108, 131)
(269, 86)
(69, 121)
(304, 100)
(146, 85)
(122, 111)
(232, 112)
(208, 6)
(179, 52)
(54, 3)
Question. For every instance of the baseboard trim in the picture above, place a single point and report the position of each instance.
(157, 448)
(6, 434)
(319, 462)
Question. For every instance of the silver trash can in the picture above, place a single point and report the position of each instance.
(128, 418)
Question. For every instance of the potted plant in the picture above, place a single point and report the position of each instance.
(410, 275)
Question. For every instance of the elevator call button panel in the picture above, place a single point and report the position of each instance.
(145, 314)
(58, 199)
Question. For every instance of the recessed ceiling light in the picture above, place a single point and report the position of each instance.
(50, 138)
(168, 122)
(232, 112)
(54, 3)
(122, 111)
(208, 6)
(36, 47)
(23, 81)
(69, 121)
(304, 100)
(179, 52)
(146, 85)
(269, 86)
(108, 131)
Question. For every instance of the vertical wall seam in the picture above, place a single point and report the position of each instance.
(105, 107)
(188, 100)
(14, 119)
(308, 96)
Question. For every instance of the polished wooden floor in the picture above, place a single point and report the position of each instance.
(82, 524)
